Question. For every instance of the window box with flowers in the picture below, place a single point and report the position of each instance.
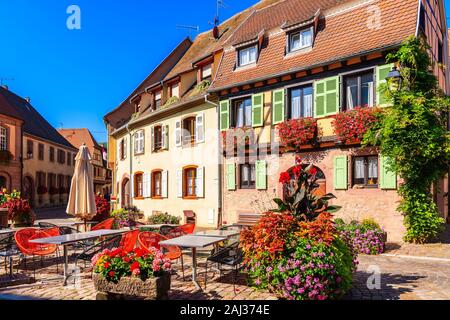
(296, 133)
(139, 274)
(351, 126)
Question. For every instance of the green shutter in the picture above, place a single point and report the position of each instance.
(231, 177)
(340, 173)
(382, 73)
(278, 106)
(258, 110)
(224, 115)
(388, 179)
(327, 97)
(261, 175)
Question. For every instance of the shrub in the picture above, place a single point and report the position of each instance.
(116, 264)
(127, 217)
(163, 218)
(366, 238)
(103, 209)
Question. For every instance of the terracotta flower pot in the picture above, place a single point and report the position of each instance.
(129, 288)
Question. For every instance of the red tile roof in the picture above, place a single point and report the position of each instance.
(78, 137)
(345, 32)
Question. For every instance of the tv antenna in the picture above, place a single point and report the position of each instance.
(219, 4)
(2, 80)
(190, 28)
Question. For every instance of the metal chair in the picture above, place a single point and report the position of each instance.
(165, 230)
(8, 250)
(230, 256)
(47, 225)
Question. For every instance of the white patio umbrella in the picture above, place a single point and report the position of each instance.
(82, 195)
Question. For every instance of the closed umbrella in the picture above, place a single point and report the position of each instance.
(82, 195)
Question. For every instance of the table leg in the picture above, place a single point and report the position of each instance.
(66, 265)
(194, 268)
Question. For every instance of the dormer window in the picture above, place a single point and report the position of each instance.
(158, 100)
(175, 90)
(247, 56)
(207, 72)
(300, 40)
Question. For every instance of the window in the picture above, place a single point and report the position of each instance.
(440, 52)
(52, 154)
(301, 103)
(139, 142)
(3, 139)
(190, 185)
(248, 176)
(175, 90)
(139, 185)
(300, 40)
(69, 159)
(365, 171)
(189, 125)
(158, 138)
(247, 56)
(68, 183)
(123, 149)
(3, 183)
(158, 99)
(40, 179)
(41, 151)
(359, 91)
(61, 157)
(51, 180)
(242, 113)
(207, 72)
(30, 149)
(157, 184)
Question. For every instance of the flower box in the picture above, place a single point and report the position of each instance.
(128, 288)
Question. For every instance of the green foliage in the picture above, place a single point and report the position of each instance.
(413, 135)
(171, 101)
(163, 218)
(201, 87)
(371, 224)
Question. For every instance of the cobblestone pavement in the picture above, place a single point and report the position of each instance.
(400, 279)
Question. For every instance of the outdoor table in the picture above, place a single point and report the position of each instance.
(193, 242)
(218, 233)
(69, 239)
(68, 223)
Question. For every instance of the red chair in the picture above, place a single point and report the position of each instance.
(105, 225)
(23, 238)
(188, 228)
(129, 240)
(148, 240)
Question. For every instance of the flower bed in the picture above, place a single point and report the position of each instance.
(299, 132)
(351, 126)
(366, 238)
(295, 251)
(136, 273)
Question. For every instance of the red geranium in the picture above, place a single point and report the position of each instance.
(351, 126)
(134, 266)
(299, 132)
(106, 265)
(285, 178)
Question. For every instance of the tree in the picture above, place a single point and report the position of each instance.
(413, 135)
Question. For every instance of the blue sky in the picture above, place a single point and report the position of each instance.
(75, 77)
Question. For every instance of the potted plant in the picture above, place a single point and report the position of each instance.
(19, 210)
(127, 217)
(135, 274)
(103, 209)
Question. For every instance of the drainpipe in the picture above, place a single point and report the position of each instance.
(219, 169)
(131, 165)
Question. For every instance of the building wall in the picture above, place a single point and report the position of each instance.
(34, 165)
(12, 171)
(202, 155)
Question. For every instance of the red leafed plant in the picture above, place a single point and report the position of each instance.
(351, 126)
(103, 209)
(269, 236)
(321, 230)
(298, 132)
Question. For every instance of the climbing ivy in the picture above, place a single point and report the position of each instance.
(413, 134)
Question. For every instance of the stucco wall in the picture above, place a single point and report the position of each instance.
(11, 171)
(358, 204)
(202, 155)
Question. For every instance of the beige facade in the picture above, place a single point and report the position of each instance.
(170, 162)
(47, 169)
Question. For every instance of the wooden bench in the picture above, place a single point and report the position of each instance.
(248, 218)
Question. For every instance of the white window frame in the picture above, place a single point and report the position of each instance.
(247, 50)
(172, 89)
(300, 34)
(3, 138)
(206, 71)
(139, 142)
